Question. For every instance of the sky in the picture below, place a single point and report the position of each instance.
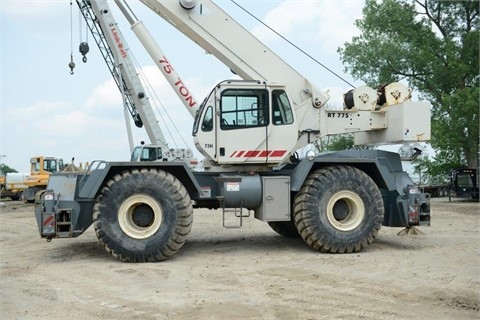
(47, 111)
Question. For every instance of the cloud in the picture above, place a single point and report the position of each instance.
(105, 98)
(328, 23)
(336, 97)
(46, 9)
(57, 129)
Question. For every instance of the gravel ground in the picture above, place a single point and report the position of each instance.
(247, 273)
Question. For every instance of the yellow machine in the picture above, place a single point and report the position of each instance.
(40, 169)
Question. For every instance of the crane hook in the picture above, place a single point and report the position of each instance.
(84, 48)
(71, 65)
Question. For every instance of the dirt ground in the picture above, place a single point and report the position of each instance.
(247, 273)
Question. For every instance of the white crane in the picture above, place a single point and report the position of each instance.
(248, 131)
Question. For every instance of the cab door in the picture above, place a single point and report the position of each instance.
(242, 125)
(246, 123)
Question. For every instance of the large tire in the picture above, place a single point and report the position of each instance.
(285, 228)
(39, 197)
(143, 215)
(339, 209)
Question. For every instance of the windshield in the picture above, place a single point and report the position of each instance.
(146, 153)
(464, 180)
(135, 154)
(50, 165)
(199, 113)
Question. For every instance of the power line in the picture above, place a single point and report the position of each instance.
(292, 44)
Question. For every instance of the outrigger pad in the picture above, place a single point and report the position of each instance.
(413, 231)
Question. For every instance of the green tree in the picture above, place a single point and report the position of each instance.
(6, 169)
(434, 46)
(338, 142)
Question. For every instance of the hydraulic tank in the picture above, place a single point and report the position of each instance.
(241, 191)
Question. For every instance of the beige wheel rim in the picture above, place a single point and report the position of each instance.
(345, 210)
(140, 216)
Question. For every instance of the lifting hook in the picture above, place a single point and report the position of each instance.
(71, 65)
(84, 48)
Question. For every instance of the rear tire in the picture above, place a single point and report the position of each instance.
(339, 209)
(143, 215)
(285, 228)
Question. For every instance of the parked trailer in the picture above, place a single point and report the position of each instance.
(436, 190)
(12, 185)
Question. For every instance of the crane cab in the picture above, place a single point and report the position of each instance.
(246, 122)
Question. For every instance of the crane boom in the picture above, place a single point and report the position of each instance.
(117, 57)
(219, 34)
(159, 58)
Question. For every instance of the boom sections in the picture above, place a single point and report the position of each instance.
(217, 33)
(117, 57)
(159, 58)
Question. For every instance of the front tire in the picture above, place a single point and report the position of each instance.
(339, 209)
(143, 215)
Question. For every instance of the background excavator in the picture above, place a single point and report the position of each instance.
(41, 168)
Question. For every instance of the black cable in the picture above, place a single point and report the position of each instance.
(292, 44)
(71, 28)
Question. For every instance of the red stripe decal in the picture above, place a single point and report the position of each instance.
(278, 153)
(264, 153)
(48, 221)
(252, 153)
(258, 154)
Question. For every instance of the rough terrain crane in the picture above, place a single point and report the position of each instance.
(249, 131)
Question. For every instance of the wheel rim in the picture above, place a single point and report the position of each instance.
(140, 216)
(345, 210)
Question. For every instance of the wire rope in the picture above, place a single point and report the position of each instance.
(292, 44)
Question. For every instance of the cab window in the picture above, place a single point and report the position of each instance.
(50, 165)
(207, 124)
(243, 108)
(281, 109)
(150, 154)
